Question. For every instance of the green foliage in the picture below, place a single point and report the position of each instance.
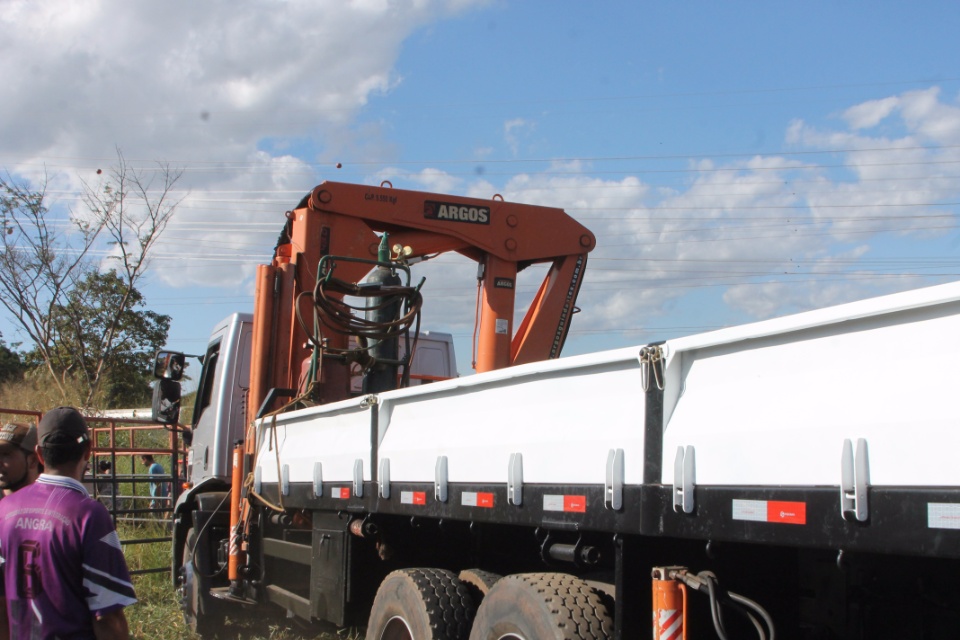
(11, 364)
(186, 407)
(104, 350)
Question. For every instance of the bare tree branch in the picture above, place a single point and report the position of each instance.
(43, 258)
(137, 206)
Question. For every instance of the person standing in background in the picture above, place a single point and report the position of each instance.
(19, 465)
(104, 483)
(63, 570)
(158, 489)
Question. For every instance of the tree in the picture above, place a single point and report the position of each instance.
(11, 364)
(44, 257)
(94, 343)
(38, 262)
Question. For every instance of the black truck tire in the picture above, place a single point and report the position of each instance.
(201, 613)
(421, 604)
(479, 582)
(542, 606)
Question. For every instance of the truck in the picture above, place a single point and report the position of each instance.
(793, 478)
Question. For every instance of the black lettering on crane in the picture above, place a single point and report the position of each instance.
(566, 312)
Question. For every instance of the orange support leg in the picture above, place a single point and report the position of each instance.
(235, 557)
(669, 606)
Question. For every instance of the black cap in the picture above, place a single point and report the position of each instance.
(62, 420)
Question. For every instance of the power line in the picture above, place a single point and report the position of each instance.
(222, 165)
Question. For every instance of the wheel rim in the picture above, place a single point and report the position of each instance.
(396, 629)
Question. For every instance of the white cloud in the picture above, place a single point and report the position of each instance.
(869, 114)
(433, 180)
(208, 85)
(772, 234)
(900, 177)
(191, 81)
(931, 119)
(513, 131)
(924, 115)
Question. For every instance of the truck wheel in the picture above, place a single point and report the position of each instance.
(542, 606)
(421, 604)
(478, 582)
(201, 615)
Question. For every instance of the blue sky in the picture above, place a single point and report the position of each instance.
(737, 160)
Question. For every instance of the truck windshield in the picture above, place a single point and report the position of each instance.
(207, 379)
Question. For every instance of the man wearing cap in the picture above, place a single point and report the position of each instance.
(19, 465)
(64, 574)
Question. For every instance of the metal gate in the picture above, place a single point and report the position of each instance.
(139, 501)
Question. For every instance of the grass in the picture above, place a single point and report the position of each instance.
(157, 615)
(35, 392)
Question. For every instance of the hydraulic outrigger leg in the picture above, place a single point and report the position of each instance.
(669, 605)
(235, 555)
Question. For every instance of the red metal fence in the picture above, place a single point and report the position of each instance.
(119, 479)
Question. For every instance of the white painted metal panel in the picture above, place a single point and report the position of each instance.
(771, 403)
(336, 435)
(563, 416)
(764, 404)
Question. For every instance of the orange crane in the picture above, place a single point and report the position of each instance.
(344, 220)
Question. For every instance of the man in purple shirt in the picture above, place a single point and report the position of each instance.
(64, 575)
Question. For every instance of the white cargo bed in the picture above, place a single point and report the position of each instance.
(562, 416)
(767, 404)
(772, 403)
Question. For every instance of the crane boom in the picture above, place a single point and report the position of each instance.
(339, 219)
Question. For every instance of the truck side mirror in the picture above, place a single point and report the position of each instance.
(169, 365)
(166, 401)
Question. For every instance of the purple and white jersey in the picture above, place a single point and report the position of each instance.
(61, 560)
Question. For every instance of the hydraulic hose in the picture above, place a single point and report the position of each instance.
(707, 581)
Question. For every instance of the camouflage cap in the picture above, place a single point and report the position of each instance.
(15, 434)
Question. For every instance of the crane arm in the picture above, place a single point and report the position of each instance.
(544, 327)
(346, 220)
